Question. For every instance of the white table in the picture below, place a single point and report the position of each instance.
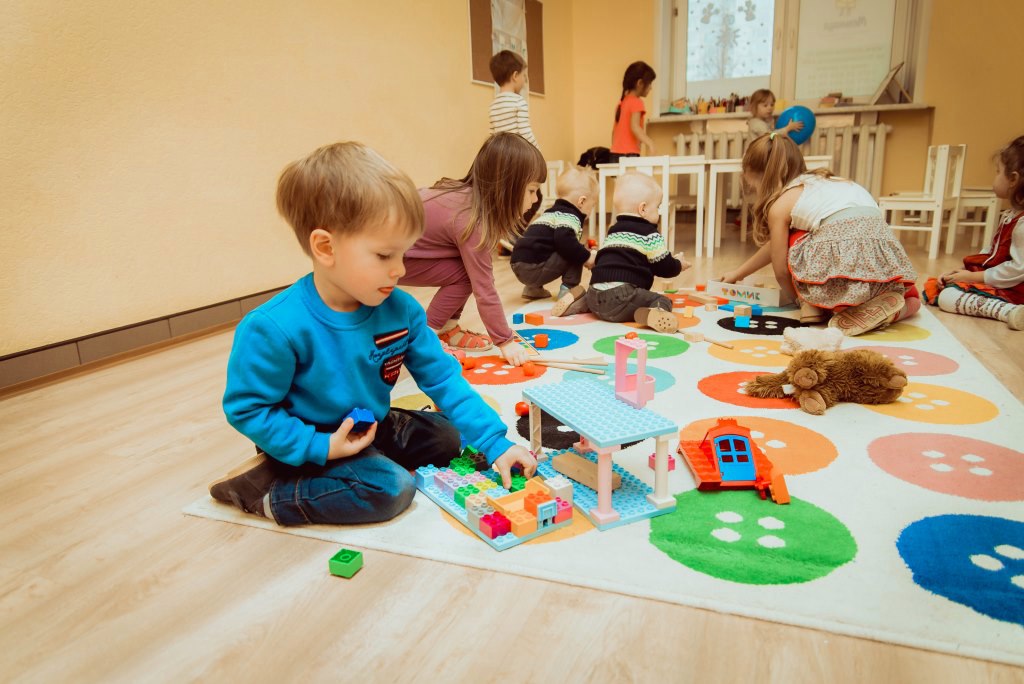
(717, 168)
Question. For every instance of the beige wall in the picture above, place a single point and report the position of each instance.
(142, 141)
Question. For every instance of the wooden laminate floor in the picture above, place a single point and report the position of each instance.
(103, 579)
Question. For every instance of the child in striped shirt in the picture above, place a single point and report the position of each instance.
(509, 111)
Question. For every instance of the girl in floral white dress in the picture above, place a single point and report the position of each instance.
(827, 241)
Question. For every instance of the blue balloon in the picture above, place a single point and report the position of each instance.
(797, 113)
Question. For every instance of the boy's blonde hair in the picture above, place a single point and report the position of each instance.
(346, 188)
(574, 182)
(778, 160)
(632, 188)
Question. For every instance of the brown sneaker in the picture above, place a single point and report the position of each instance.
(568, 299)
(535, 292)
(874, 313)
(246, 485)
(658, 319)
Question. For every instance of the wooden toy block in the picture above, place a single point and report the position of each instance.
(517, 318)
(345, 563)
(742, 310)
(534, 318)
(742, 292)
(741, 321)
(540, 340)
(580, 469)
(693, 336)
(702, 298)
(711, 307)
(687, 312)
(700, 287)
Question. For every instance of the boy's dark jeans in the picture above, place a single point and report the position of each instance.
(619, 303)
(538, 275)
(372, 486)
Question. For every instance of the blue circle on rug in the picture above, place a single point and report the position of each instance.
(974, 560)
(760, 325)
(557, 339)
(662, 379)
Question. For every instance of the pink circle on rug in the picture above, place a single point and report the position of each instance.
(949, 464)
(728, 387)
(915, 362)
(564, 321)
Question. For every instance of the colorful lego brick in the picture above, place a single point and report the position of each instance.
(534, 500)
(463, 493)
(462, 465)
(546, 512)
(560, 487)
(564, 510)
(495, 524)
(362, 418)
(741, 321)
(534, 318)
(671, 462)
(425, 476)
(345, 563)
(478, 499)
(518, 482)
(517, 318)
(523, 523)
(540, 340)
(742, 310)
(475, 513)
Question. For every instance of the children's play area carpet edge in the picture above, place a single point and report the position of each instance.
(906, 523)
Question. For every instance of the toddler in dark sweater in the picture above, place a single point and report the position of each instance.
(632, 255)
(550, 248)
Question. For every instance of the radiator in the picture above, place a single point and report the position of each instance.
(858, 152)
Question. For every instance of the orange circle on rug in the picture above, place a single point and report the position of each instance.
(565, 321)
(897, 332)
(793, 449)
(925, 403)
(416, 402)
(579, 525)
(684, 322)
(915, 362)
(728, 387)
(751, 352)
(493, 370)
(950, 464)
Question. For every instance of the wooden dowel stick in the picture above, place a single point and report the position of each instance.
(565, 366)
(597, 361)
(720, 344)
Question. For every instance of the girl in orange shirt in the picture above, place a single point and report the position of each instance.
(630, 116)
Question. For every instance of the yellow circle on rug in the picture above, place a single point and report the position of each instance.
(925, 403)
(416, 402)
(897, 332)
(579, 525)
(791, 448)
(750, 352)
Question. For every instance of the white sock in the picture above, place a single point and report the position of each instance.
(266, 505)
(955, 301)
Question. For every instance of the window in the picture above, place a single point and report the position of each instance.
(733, 448)
(800, 49)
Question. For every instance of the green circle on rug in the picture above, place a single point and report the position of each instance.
(658, 346)
(738, 537)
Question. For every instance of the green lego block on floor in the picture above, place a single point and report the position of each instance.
(345, 563)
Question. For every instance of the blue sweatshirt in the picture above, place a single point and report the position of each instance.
(297, 367)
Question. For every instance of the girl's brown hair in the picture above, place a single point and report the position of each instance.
(1012, 158)
(759, 96)
(778, 160)
(504, 166)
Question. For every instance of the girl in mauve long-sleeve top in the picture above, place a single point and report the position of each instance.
(463, 221)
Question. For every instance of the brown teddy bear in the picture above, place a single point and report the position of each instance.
(819, 379)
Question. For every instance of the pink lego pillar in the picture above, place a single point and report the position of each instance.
(636, 389)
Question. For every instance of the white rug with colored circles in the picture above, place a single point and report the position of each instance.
(906, 523)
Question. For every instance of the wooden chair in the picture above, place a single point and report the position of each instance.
(972, 201)
(555, 169)
(943, 178)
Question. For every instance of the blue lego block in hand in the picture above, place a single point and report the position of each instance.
(364, 420)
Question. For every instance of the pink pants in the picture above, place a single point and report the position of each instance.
(447, 274)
